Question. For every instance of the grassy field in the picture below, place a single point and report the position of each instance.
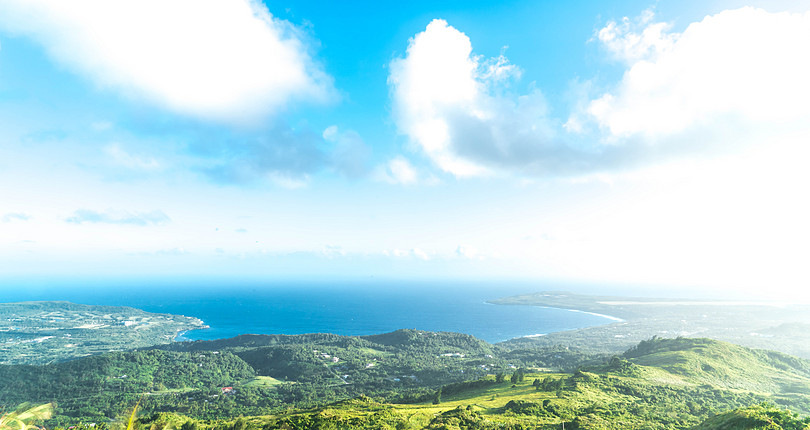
(262, 382)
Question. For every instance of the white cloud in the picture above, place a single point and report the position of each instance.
(417, 253)
(15, 216)
(420, 254)
(739, 70)
(457, 108)
(398, 171)
(122, 157)
(468, 252)
(87, 216)
(230, 61)
(633, 40)
(285, 181)
(333, 251)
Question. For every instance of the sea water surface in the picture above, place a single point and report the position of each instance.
(348, 309)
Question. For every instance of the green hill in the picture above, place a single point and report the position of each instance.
(101, 386)
(758, 417)
(417, 380)
(722, 364)
(266, 373)
(660, 384)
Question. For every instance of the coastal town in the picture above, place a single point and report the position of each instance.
(48, 332)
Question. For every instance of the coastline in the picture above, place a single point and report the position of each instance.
(610, 317)
(606, 316)
(536, 335)
(180, 335)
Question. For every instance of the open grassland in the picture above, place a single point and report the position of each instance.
(261, 382)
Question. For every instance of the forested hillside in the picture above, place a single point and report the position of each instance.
(415, 379)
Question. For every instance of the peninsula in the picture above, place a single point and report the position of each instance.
(776, 326)
(54, 331)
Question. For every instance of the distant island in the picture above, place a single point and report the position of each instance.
(54, 331)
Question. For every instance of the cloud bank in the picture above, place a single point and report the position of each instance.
(229, 61)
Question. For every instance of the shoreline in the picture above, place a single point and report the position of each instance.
(606, 316)
(610, 317)
(536, 335)
(179, 336)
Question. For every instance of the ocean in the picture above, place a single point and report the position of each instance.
(346, 309)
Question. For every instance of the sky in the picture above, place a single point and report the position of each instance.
(658, 144)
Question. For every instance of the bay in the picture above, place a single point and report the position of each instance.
(345, 309)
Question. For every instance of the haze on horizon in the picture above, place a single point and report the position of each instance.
(659, 144)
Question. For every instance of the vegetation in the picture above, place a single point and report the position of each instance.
(414, 379)
(782, 327)
(399, 380)
(24, 417)
(757, 417)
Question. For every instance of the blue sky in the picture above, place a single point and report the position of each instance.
(654, 144)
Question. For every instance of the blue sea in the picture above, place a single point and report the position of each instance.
(346, 309)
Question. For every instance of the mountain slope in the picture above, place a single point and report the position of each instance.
(758, 417)
(722, 364)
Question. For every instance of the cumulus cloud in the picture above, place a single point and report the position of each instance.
(230, 61)
(732, 73)
(457, 108)
(733, 79)
(87, 216)
(633, 40)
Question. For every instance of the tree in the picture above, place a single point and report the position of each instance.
(518, 376)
